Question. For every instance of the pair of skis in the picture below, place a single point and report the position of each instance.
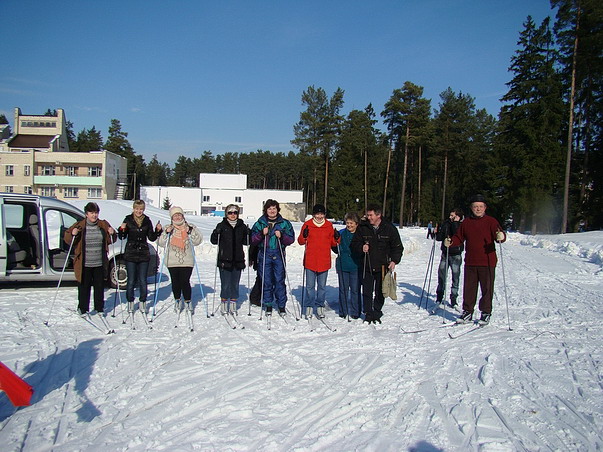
(188, 313)
(105, 328)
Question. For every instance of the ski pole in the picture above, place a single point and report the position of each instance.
(117, 293)
(445, 279)
(429, 266)
(166, 251)
(263, 277)
(248, 270)
(213, 301)
(198, 276)
(60, 279)
(502, 266)
(280, 247)
(116, 276)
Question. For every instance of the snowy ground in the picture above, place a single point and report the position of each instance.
(537, 387)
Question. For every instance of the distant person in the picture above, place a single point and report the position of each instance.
(230, 235)
(348, 266)
(452, 257)
(91, 238)
(377, 242)
(272, 233)
(430, 230)
(138, 228)
(479, 232)
(318, 237)
(180, 238)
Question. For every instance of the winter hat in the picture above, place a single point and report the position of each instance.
(478, 198)
(174, 210)
(319, 208)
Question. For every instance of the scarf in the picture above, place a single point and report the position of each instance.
(317, 223)
(233, 223)
(179, 234)
(138, 221)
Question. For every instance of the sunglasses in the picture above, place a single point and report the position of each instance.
(232, 212)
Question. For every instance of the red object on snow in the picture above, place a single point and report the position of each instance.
(16, 389)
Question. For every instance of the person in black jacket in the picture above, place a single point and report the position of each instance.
(378, 245)
(137, 228)
(454, 256)
(230, 235)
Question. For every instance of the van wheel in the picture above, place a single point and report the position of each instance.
(121, 277)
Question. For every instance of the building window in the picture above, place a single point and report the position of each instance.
(71, 192)
(26, 170)
(27, 190)
(94, 171)
(8, 189)
(47, 170)
(95, 193)
(237, 199)
(71, 170)
(48, 191)
(10, 170)
(206, 199)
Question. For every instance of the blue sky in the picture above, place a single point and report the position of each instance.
(185, 77)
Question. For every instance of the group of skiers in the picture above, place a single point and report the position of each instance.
(366, 250)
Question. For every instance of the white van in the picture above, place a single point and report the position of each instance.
(32, 246)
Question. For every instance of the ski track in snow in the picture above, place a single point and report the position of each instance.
(537, 387)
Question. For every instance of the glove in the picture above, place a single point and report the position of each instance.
(500, 236)
(336, 234)
(306, 232)
(447, 242)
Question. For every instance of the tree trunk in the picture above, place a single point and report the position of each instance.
(445, 182)
(365, 180)
(326, 177)
(402, 199)
(419, 189)
(570, 131)
(389, 159)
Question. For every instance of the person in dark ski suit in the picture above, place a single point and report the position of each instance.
(272, 233)
(137, 228)
(230, 235)
(378, 244)
(479, 232)
(451, 257)
(91, 238)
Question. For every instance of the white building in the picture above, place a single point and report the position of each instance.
(216, 191)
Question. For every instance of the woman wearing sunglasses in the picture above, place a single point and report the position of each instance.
(230, 235)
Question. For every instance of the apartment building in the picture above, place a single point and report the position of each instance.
(36, 160)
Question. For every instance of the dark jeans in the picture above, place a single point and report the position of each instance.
(92, 277)
(349, 293)
(229, 283)
(484, 276)
(137, 277)
(454, 263)
(181, 282)
(372, 283)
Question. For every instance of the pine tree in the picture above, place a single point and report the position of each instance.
(531, 124)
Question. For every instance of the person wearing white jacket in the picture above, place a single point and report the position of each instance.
(179, 258)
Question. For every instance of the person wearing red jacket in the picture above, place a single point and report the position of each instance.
(318, 235)
(479, 232)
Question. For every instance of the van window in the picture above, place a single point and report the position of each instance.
(57, 221)
(13, 213)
